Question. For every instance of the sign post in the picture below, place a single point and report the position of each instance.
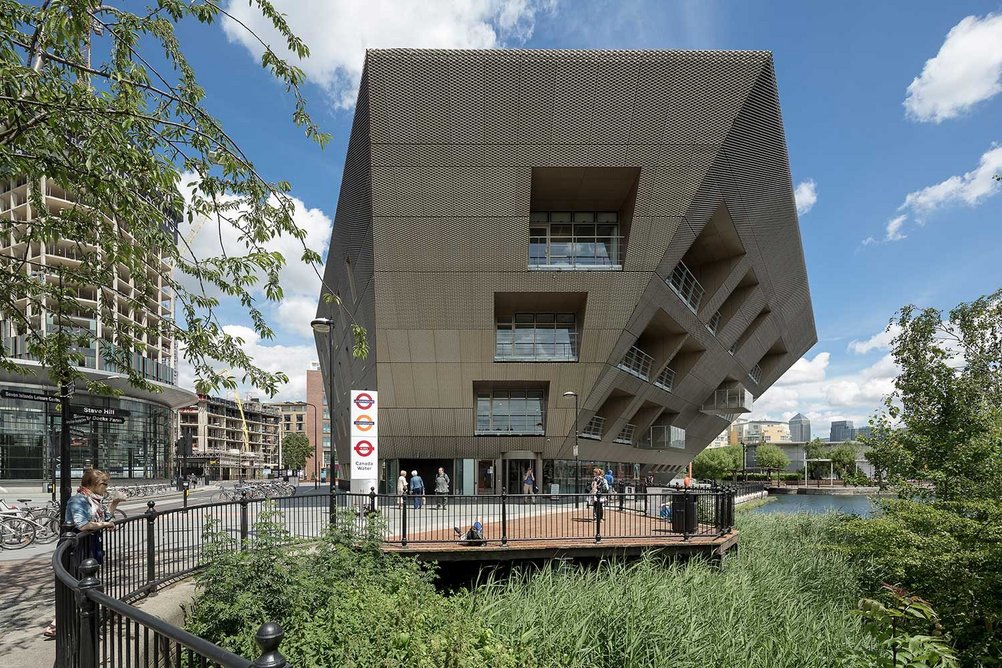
(364, 433)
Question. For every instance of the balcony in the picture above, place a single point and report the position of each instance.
(637, 363)
(728, 400)
(626, 435)
(594, 428)
(666, 379)
(683, 283)
(755, 373)
(661, 437)
(713, 324)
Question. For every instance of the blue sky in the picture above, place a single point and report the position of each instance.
(891, 109)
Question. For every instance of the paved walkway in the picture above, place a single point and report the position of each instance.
(27, 599)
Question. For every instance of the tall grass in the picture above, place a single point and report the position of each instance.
(784, 600)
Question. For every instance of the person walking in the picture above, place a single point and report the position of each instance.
(417, 489)
(528, 484)
(402, 488)
(441, 489)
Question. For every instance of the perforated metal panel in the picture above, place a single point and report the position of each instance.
(434, 216)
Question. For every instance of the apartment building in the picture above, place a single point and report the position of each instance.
(232, 440)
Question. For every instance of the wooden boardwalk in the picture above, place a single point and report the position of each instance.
(566, 534)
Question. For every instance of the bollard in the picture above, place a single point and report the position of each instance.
(151, 545)
(89, 617)
(597, 507)
(504, 516)
(268, 638)
(372, 500)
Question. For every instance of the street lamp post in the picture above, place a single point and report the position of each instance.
(326, 326)
(577, 464)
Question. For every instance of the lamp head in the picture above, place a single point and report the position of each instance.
(570, 394)
(322, 325)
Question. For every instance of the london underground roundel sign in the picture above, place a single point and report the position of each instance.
(364, 448)
(364, 401)
(364, 423)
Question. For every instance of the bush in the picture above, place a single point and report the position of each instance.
(343, 603)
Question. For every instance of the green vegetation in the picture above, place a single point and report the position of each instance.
(939, 444)
(786, 599)
(296, 448)
(100, 99)
(717, 463)
(771, 458)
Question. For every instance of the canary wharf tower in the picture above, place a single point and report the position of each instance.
(563, 259)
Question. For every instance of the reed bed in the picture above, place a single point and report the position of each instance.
(785, 599)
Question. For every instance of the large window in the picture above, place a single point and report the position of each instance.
(578, 241)
(511, 412)
(537, 337)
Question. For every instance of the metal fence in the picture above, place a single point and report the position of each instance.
(97, 625)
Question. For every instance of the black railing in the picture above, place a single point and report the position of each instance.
(98, 626)
(95, 629)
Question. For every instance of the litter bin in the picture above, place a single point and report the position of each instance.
(683, 513)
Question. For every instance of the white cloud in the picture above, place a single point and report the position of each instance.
(808, 389)
(299, 281)
(893, 231)
(338, 33)
(806, 195)
(879, 341)
(967, 70)
(970, 189)
(294, 360)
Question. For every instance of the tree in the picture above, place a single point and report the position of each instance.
(843, 458)
(102, 102)
(716, 463)
(939, 443)
(769, 457)
(296, 448)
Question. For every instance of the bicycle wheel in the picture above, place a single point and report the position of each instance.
(16, 533)
(119, 514)
(47, 531)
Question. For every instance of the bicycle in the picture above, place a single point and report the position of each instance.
(44, 521)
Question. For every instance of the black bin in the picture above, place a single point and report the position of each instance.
(683, 513)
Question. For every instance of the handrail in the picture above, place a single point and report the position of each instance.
(200, 645)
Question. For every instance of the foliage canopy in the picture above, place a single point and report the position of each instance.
(102, 101)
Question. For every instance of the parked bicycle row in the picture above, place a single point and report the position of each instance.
(139, 491)
(265, 489)
(21, 525)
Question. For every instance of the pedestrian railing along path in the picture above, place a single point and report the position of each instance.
(97, 625)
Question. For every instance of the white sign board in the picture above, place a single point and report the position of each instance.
(364, 435)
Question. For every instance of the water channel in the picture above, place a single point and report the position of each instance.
(814, 503)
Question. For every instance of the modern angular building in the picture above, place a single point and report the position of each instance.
(138, 440)
(842, 430)
(515, 228)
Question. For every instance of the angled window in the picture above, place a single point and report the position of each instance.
(594, 428)
(666, 379)
(683, 283)
(637, 362)
(626, 435)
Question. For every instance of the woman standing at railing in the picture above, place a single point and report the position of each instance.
(85, 512)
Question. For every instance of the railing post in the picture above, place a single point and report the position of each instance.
(151, 545)
(372, 499)
(504, 516)
(66, 620)
(268, 638)
(88, 611)
(685, 514)
(597, 508)
(403, 520)
(244, 528)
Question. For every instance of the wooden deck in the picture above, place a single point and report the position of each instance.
(566, 534)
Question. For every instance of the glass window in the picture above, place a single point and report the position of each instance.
(536, 337)
(510, 412)
(574, 240)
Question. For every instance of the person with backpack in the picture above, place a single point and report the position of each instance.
(417, 489)
(473, 536)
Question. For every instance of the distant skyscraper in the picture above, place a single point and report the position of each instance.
(863, 432)
(842, 430)
(800, 428)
